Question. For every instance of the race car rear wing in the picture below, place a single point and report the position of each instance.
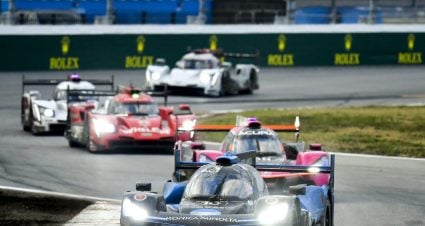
(226, 128)
(234, 55)
(263, 167)
(51, 82)
(178, 164)
(130, 90)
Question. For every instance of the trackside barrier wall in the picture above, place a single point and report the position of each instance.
(136, 51)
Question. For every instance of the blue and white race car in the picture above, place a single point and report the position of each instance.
(40, 115)
(229, 192)
(203, 72)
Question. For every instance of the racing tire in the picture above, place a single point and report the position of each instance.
(90, 145)
(251, 83)
(326, 219)
(72, 144)
(25, 128)
(34, 130)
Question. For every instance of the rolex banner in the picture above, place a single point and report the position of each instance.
(75, 52)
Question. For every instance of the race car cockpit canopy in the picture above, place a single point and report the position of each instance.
(198, 61)
(62, 88)
(133, 108)
(214, 182)
(264, 142)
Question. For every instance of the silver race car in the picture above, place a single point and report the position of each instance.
(203, 72)
(50, 115)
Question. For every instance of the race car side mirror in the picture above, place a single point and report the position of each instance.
(143, 186)
(184, 107)
(297, 189)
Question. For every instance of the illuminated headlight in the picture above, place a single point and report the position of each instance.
(204, 158)
(49, 112)
(205, 77)
(155, 75)
(102, 126)
(42, 111)
(273, 214)
(323, 161)
(187, 125)
(135, 212)
(215, 78)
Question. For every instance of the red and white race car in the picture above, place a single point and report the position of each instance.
(250, 136)
(130, 119)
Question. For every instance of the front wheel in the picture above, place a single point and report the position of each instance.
(72, 143)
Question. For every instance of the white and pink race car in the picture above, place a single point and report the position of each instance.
(249, 136)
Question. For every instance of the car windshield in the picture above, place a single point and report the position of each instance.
(62, 95)
(197, 64)
(135, 109)
(219, 183)
(265, 143)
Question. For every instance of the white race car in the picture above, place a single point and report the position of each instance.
(203, 72)
(50, 115)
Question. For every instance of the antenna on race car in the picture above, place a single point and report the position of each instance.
(297, 125)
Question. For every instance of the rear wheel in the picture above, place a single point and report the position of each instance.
(326, 219)
(251, 84)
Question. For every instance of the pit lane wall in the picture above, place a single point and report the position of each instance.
(135, 47)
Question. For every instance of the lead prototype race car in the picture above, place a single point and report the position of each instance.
(203, 72)
(230, 192)
(130, 119)
(40, 114)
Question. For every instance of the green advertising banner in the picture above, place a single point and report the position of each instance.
(74, 52)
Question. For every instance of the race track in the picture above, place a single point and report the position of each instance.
(369, 190)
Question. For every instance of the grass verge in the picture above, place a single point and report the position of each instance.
(392, 131)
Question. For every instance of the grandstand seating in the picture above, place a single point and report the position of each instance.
(247, 11)
(312, 15)
(229, 11)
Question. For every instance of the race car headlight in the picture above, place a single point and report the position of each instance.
(42, 111)
(155, 75)
(49, 112)
(205, 77)
(102, 126)
(214, 78)
(137, 213)
(273, 214)
(187, 125)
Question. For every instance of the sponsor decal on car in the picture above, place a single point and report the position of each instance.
(145, 130)
(201, 218)
(256, 132)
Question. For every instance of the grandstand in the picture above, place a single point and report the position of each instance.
(211, 11)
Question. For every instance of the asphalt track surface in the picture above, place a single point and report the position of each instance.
(369, 190)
